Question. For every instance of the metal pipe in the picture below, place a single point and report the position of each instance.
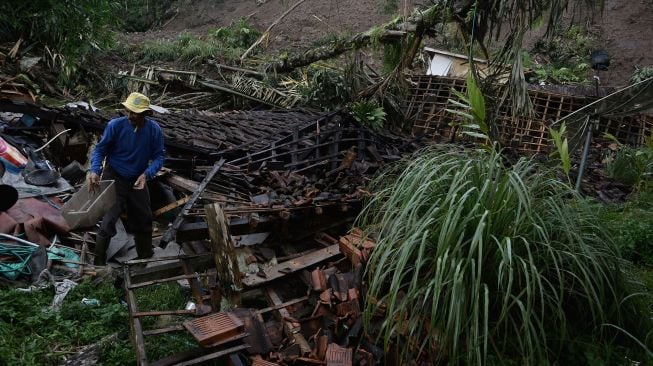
(583, 161)
(11, 237)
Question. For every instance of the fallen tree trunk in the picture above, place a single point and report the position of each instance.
(417, 24)
(327, 52)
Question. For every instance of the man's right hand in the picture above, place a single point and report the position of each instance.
(93, 181)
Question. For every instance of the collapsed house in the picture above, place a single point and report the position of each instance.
(251, 206)
(254, 211)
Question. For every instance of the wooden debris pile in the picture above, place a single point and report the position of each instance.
(313, 316)
(248, 208)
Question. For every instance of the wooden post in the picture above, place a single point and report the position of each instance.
(224, 254)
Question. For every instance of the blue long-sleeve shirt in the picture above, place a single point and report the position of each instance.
(130, 153)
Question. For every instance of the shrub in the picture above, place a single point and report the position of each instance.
(368, 113)
(476, 261)
(627, 165)
(238, 35)
(222, 43)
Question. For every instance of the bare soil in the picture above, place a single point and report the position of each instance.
(627, 31)
(310, 22)
(625, 27)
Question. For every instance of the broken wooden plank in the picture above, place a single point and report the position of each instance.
(214, 355)
(194, 276)
(171, 206)
(90, 355)
(293, 265)
(191, 357)
(142, 314)
(200, 263)
(180, 182)
(170, 329)
(171, 233)
(292, 330)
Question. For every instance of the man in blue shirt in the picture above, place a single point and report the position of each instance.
(133, 151)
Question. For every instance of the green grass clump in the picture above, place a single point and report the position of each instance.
(225, 43)
(162, 50)
(478, 261)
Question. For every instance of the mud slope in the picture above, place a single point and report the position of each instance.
(311, 21)
(627, 29)
(626, 26)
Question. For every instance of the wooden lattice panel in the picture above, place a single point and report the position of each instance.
(628, 130)
(428, 101)
(215, 328)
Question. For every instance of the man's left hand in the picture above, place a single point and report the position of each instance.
(140, 182)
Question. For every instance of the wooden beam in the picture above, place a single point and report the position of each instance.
(282, 305)
(293, 265)
(180, 182)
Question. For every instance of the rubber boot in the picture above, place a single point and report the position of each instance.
(144, 245)
(101, 246)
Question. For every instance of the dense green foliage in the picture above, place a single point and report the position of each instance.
(31, 334)
(325, 87)
(641, 74)
(477, 261)
(631, 166)
(628, 165)
(69, 31)
(561, 143)
(470, 111)
(564, 58)
(631, 227)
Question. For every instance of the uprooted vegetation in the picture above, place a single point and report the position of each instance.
(225, 43)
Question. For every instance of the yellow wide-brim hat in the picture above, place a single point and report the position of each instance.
(137, 103)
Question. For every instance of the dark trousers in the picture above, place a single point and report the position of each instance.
(136, 202)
